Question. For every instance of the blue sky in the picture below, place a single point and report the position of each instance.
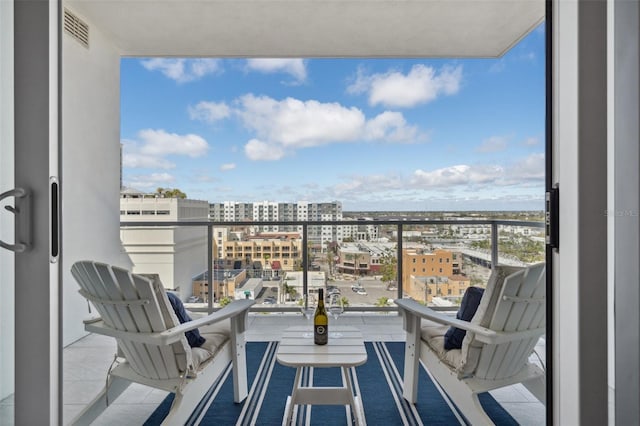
(376, 134)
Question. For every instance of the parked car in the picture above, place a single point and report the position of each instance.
(361, 292)
(194, 299)
(269, 300)
(357, 287)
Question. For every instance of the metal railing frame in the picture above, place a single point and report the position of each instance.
(399, 224)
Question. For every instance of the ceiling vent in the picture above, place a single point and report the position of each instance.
(76, 28)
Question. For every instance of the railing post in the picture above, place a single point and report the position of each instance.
(494, 245)
(305, 267)
(210, 268)
(399, 263)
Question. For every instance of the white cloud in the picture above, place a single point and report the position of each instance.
(209, 111)
(152, 180)
(391, 126)
(527, 169)
(258, 150)
(152, 146)
(294, 67)
(296, 123)
(291, 124)
(456, 175)
(183, 70)
(134, 160)
(532, 141)
(227, 166)
(493, 144)
(159, 143)
(421, 85)
(488, 180)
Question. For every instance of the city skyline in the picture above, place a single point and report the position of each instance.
(375, 134)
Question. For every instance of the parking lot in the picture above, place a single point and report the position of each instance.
(374, 289)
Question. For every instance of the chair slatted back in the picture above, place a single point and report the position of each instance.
(520, 307)
(131, 313)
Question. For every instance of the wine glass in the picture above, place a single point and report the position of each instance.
(336, 308)
(308, 311)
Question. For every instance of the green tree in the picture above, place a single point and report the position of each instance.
(389, 268)
(224, 301)
(170, 193)
(356, 266)
(383, 301)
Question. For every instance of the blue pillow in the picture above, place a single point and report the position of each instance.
(193, 336)
(468, 307)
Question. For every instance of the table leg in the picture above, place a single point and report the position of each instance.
(357, 411)
(291, 399)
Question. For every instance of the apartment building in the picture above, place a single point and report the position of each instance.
(423, 269)
(363, 258)
(271, 252)
(224, 283)
(177, 254)
(268, 211)
(446, 287)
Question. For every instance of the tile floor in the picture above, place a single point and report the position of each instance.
(86, 361)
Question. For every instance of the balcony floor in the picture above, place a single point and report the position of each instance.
(87, 360)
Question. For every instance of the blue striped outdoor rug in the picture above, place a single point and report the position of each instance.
(378, 382)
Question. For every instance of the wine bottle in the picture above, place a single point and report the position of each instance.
(320, 322)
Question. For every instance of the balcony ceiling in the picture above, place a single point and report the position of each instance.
(312, 28)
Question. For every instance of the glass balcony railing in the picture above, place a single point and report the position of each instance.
(366, 263)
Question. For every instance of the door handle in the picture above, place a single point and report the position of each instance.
(22, 210)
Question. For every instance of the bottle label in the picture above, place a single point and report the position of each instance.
(321, 335)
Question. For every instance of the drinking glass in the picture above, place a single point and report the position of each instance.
(308, 311)
(336, 308)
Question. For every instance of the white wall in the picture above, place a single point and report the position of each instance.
(7, 359)
(580, 168)
(190, 258)
(91, 166)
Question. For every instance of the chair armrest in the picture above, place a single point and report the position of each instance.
(236, 310)
(233, 310)
(482, 334)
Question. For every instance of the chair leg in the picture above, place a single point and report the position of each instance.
(239, 361)
(411, 358)
(538, 388)
(470, 406)
(99, 403)
(185, 402)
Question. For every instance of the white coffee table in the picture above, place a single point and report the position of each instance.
(344, 352)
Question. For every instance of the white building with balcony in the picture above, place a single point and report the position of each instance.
(176, 253)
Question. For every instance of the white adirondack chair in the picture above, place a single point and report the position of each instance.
(496, 349)
(152, 347)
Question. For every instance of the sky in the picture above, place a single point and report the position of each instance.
(375, 134)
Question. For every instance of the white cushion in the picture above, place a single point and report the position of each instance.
(216, 336)
(432, 333)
